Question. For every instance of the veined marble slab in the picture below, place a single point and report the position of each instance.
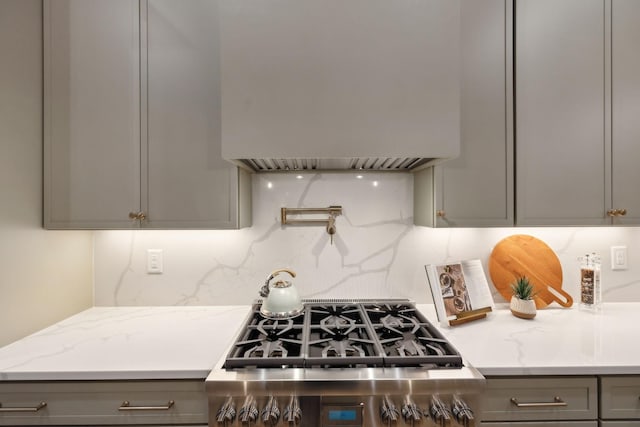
(558, 341)
(124, 343)
(377, 252)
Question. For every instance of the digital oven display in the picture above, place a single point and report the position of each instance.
(342, 415)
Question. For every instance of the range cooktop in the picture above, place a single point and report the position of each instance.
(342, 333)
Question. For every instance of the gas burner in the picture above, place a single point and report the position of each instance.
(344, 348)
(338, 322)
(336, 325)
(395, 310)
(341, 342)
(267, 349)
(336, 316)
(396, 323)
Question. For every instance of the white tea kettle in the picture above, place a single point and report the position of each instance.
(281, 297)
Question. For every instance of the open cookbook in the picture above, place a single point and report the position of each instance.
(460, 291)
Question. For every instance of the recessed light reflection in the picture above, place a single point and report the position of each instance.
(359, 176)
(269, 184)
(299, 177)
(375, 183)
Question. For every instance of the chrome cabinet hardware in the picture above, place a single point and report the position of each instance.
(126, 406)
(557, 401)
(22, 408)
(137, 216)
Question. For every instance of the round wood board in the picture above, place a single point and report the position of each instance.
(523, 255)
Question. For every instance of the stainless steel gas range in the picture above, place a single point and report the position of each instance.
(343, 363)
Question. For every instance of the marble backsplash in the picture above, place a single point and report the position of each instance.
(377, 252)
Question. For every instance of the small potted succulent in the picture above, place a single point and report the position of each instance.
(522, 303)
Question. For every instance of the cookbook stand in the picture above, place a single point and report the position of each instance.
(469, 316)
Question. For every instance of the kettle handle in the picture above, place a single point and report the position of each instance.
(282, 270)
(264, 290)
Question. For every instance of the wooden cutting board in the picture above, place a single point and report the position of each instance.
(523, 255)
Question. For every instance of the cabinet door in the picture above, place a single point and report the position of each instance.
(476, 189)
(91, 113)
(625, 109)
(561, 168)
(189, 184)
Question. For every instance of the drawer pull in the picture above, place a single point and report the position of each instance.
(556, 402)
(24, 409)
(126, 406)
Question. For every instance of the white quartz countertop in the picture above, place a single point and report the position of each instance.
(111, 343)
(558, 341)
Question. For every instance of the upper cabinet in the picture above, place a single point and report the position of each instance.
(577, 131)
(476, 189)
(625, 111)
(132, 118)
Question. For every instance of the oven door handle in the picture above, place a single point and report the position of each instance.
(557, 401)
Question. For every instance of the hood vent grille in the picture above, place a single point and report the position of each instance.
(355, 163)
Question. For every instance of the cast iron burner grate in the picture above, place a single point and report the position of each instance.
(343, 334)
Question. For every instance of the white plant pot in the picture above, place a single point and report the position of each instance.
(523, 308)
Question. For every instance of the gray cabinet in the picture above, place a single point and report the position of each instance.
(576, 138)
(166, 402)
(91, 113)
(625, 109)
(132, 118)
(619, 400)
(476, 189)
(540, 401)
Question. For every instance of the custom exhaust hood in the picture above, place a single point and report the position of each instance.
(339, 84)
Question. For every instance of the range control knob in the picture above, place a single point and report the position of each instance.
(462, 412)
(439, 411)
(388, 411)
(271, 412)
(249, 411)
(410, 411)
(292, 412)
(227, 412)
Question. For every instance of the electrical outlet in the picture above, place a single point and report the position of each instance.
(618, 257)
(154, 261)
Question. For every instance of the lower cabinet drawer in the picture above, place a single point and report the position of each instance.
(620, 424)
(541, 424)
(103, 402)
(540, 399)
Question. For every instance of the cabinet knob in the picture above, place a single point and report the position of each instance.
(441, 214)
(137, 215)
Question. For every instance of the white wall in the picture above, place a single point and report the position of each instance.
(377, 251)
(44, 276)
